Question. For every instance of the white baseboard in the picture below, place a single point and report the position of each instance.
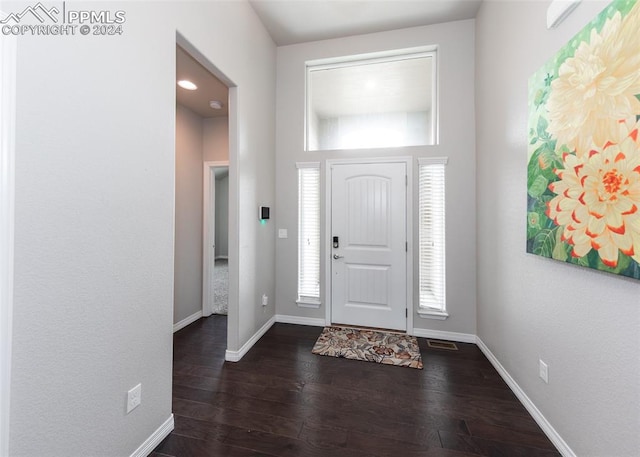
(448, 336)
(156, 438)
(235, 356)
(544, 424)
(311, 321)
(186, 321)
(222, 257)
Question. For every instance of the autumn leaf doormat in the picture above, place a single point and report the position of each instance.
(388, 348)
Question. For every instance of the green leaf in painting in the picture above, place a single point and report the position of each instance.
(540, 207)
(582, 261)
(549, 172)
(533, 224)
(551, 148)
(533, 168)
(538, 187)
(542, 127)
(544, 242)
(561, 249)
(533, 161)
(541, 204)
(533, 219)
(540, 97)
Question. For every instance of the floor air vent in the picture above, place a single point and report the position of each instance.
(442, 345)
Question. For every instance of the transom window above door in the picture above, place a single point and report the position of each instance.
(374, 101)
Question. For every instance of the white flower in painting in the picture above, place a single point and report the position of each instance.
(597, 201)
(594, 95)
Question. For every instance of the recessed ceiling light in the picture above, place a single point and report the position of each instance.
(186, 84)
(215, 104)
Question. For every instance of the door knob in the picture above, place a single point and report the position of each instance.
(336, 256)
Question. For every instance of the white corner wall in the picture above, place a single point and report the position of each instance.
(582, 323)
(7, 184)
(455, 41)
(187, 289)
(93, 307)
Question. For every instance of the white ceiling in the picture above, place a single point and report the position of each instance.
(298, 21)
(209, 87)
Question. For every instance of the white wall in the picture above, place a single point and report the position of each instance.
(216, 139)
(455, 42)
(222, 217)
(7, 155)
(94, 219)
(583, 323)
(187, 289)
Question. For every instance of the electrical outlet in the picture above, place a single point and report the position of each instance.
(282, 233)
(544, 371)
(265, 300)
(134, 398)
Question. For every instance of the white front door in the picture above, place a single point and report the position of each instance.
(368, 225)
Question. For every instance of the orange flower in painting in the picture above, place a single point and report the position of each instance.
(597, 201)
(593, 99)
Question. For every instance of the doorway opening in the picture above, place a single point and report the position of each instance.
(215, 255)
(206, 130)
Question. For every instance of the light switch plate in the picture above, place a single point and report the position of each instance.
(134, 398)
(544, 371)
(282, 233)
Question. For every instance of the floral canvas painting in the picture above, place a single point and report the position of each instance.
(583, 175)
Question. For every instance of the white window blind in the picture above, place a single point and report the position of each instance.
(432, 234)
(308, 232)
(378, 100)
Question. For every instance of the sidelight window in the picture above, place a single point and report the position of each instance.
(308, 233)
(432, 262)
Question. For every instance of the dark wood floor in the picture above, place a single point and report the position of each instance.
(282, 401)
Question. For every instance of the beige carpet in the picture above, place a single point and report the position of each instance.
(388, 348)
(221, 286)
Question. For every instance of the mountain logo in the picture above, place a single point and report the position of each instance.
(38, 11)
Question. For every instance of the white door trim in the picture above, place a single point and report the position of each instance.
(326, 252)
(7, 218)
(208, 230)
